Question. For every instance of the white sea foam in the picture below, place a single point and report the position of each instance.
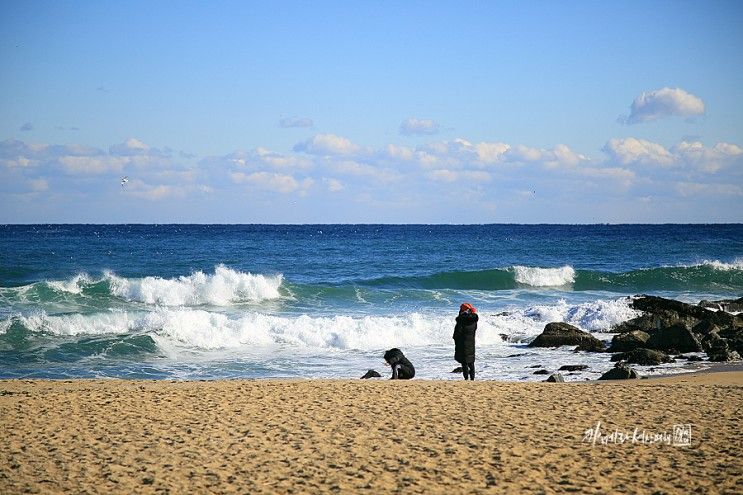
(224, 287)
(544, 277)
(202, 329)
(74, 285)
(736, 264)
(593, 316)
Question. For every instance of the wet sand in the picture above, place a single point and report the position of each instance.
(344, 436)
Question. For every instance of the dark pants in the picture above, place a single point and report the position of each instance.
(468, 369)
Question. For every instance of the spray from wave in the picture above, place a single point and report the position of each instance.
(224, 287)
(544, 277)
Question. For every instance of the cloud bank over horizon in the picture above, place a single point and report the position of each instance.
(346, 181)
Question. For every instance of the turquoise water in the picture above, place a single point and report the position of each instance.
(222, 301)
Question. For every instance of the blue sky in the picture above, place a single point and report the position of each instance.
(433, 112)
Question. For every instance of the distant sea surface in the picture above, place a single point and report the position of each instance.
(318, 301)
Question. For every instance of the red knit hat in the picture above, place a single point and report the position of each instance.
(464, 307)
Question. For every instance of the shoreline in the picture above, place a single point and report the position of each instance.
(370, 436)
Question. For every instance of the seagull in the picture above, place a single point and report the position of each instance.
(124, 180)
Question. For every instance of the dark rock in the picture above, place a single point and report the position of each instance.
(736, 343)
(541, 372)
(648, 322)
(724, 356)
(619, 372)
(694, 358)
(556, 378)
(713, 342)
(573, 367)
(518, 355)
(689, 313)
(535, 366)
(371, 374)
(643, 357)
(458, 369)
(557, 334)
(727, 305)
(654, 304)
(592, 345)
(677, 337)
(628, 341)
(705, 327)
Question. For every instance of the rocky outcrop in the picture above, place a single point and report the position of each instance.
(620, 371)
(643, 357)
(541, 372)
(723, 356)
(371, 374)
(557, 334)
(727, 305)
(689, 313)
(676, 338)
(629, 341)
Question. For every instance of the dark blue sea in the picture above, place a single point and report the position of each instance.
(317, 301)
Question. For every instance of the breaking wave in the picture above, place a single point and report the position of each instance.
(222, 288)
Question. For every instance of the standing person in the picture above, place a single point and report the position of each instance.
(402, 368)
(464, 339)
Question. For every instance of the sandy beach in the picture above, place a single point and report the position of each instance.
(343, 436)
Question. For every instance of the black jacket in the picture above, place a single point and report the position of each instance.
(402, 369)
(464, 337)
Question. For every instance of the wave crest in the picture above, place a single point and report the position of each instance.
(544, 277)
(224, 287)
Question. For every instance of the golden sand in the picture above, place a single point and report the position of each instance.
(370, 436)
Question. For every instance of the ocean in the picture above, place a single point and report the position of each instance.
(326, 301)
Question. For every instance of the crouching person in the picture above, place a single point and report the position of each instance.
(402, 368)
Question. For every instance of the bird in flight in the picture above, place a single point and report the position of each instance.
(124, 180)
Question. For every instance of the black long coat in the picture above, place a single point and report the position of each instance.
(464, 337)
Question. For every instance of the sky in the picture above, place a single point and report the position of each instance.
(371, 112)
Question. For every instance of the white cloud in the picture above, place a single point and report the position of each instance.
(279, 160)
(288, 122)
(707, 159)
(141, 189)
(521, 153)
(333, 185)
(351, 167)
(399, 152)
(664, 102)
(491, 152)
(638, 151)
(327, 144)
(565, 156)
(273, 182)
(420, 127)
(130, 147)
